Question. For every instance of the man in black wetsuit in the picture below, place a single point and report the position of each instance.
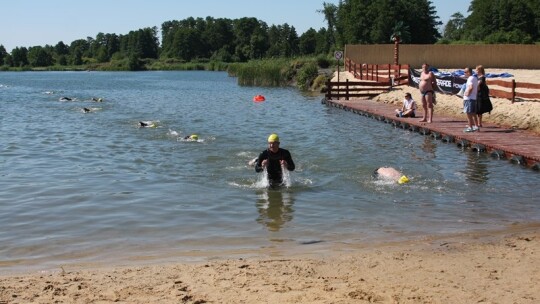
(274, 159)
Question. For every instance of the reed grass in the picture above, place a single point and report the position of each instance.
(265, 73)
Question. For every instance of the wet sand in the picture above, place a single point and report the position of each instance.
(488, 267)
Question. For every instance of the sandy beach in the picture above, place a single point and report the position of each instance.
(488, 267)
(481, 267)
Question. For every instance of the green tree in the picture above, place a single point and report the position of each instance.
(373, 21)
(330, 15)
(77, 49)
(39, 57)
(62, 60)
(422, 22)
(19, 56)
(353, 22)
(8, 60)
(102, 55)
(259, 42)
(501, 21)
(218, 35)
(61, 49)
(187, 42)
(308, 42)
(76, 56)
(322, 42)
(453, 30)
(400, 33)
(243, 29)
(3, 54)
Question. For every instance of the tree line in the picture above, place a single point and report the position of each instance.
(221, 39)
(244, 39)
(496, 21)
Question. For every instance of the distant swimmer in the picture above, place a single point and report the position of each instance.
(192, 137)
(389, 173)
(97, 99)
(147, 124)
(86, 110)
(65, 99)
(275, 160)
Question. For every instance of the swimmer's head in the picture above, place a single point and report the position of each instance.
(403, 180)
(273, 138)
(194, 137)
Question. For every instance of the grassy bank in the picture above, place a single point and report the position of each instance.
(300, 72)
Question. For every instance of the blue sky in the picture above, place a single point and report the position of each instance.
(40, 22)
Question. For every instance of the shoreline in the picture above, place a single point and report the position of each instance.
(523, 114)
(480, 265)
(497, 266)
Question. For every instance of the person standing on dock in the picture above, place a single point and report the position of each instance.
(427, 85)
(483, 103)
(275, 160)
(469, 100)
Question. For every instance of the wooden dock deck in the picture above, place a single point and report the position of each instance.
(518, 146)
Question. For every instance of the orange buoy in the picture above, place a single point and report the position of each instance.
(259, 98)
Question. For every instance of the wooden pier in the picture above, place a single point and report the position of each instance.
(518, 146)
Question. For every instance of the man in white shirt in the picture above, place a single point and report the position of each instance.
(469, 101)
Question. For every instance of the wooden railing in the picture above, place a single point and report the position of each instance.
(389, 75)
(512, 85)
(355, 89)
(397, 74)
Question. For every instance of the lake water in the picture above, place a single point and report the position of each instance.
(93, 188)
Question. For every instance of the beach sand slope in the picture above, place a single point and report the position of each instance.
(488, 268)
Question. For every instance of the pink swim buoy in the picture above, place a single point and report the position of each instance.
(259, 98)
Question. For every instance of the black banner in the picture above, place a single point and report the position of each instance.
(446, 84)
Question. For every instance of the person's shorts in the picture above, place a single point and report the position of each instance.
(469, 106)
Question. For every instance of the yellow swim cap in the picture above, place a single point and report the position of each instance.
(273, 138)
(194, 137)
(402, 180)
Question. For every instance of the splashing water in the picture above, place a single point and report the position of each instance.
(262, 180)
(286, 176)
(173, 133)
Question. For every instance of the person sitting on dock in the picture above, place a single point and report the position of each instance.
(408, 108)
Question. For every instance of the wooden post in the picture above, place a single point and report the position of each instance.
(328, 90)
(396, 50)
(347, 89)
(513, 90)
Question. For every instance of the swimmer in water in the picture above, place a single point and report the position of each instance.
(274, 159)
(389, 173)
(192, 137)
(147, 124)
